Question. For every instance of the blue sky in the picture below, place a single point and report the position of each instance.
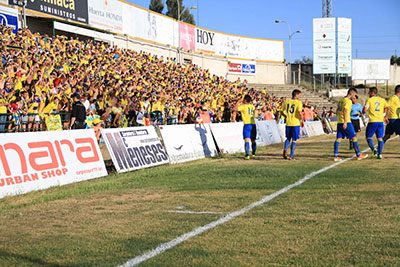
(376, 23)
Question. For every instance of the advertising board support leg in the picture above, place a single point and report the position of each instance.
(365, 87)
(313, 82)
(387, 87)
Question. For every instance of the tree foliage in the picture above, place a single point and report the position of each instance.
(157, 6)
(395, 60)
(304, 60)
(172, 12)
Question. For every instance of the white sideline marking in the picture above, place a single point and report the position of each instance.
(195, 212)
(232, 215)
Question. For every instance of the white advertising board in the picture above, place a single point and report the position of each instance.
(344, 45)
(229, 136)
(107, 15)
(282, 131)
(39, 160)
(267, 132)
(154, 27)
(188, 142)
(371, 69)
(134, 148)
(9, 17)
(324, 44)
(313, 128)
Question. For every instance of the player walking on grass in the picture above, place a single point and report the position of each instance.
(345, 127)
(376, 107)
(394, 119)
(249, 129)
(292, 111)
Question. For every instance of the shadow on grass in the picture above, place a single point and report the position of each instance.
(28, 259)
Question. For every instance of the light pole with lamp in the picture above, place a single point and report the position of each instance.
(179, 28)
(290, 47)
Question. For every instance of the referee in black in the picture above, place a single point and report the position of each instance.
(78, 114)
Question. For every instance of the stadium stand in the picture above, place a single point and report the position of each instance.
(41, 74)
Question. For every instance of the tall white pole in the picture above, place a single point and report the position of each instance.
(179, 32)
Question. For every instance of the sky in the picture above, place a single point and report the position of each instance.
(376, 23)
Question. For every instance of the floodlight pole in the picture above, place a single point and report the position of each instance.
(290, 47)
(25, 2)
(179, 29)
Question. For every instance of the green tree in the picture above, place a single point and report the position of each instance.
(395, 60)
(172, 12)
(304, 60)
(157, 6)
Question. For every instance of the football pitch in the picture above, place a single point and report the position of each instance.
(346, 215)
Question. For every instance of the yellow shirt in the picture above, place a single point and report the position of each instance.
(247, 111)
(394, 104)
(344, 103)
(3, 109)
(292, 108)
(376, 107)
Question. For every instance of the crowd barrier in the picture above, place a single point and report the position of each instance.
(134, 148)
(188, 142)
(39, 160)
(34, 161)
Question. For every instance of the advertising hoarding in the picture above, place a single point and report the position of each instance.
(76, 10)
(187, 36)
(370, 69)
(344, 38)
(324, 45)
(242, 67)
(9, 17)
(134, 148)
(39, 160)
(106, 14)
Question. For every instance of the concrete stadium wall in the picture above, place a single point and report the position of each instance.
(266, 73)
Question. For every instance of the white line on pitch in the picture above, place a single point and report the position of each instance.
(232, 215)
(195, 212)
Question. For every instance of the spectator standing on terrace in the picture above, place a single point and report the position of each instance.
(307, 112)
(78, 115)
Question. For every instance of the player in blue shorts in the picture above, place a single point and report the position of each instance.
(247, 111)
(376, 107)
(393, 127)
(345, 127)
(292, 111)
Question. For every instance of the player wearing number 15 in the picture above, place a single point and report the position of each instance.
(292, 111)
(247, 111)
(376, 107)
(345, 127)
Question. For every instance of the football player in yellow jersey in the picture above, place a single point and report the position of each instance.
(292, 111)
(394, 120)
(376, 107)
(249, 129)
(345, 127)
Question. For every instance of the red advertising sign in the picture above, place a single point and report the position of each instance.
(34, 161)
(235, 67)
(187, 36)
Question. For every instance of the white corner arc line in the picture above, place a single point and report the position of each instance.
(232, 215)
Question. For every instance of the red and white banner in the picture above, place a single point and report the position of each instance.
(35, 161)
(235, 67)
(187, 36)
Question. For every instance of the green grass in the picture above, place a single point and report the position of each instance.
(349, 215)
